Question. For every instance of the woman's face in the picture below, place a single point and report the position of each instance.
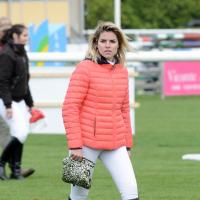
(108, 45)
(22, 38)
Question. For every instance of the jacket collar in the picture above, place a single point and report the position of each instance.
(102, 60)
(17, 48)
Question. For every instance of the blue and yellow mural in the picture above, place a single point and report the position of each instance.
(48, 38)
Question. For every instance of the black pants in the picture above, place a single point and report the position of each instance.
(12, 153)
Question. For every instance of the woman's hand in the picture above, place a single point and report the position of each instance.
(30, 109)
(9, 113)
(77, 154)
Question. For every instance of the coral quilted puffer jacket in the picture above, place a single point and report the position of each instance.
(96, 110)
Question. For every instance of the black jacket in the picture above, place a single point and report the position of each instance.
(14, 75)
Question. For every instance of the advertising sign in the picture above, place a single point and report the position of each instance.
(181, 78)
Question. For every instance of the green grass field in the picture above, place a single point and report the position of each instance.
(165, 130)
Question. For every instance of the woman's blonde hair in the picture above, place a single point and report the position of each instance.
(93, 52)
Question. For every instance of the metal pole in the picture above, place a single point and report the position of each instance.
(118, 13)
(82, 17)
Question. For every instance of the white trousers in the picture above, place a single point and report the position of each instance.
(19, 123)
(119, 166)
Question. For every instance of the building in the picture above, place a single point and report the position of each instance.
(69, 12)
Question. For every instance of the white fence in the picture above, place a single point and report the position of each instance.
(168, 55)
(153, 31)
(49, 84)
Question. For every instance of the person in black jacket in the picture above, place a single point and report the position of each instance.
(5, 24)
(15, 97)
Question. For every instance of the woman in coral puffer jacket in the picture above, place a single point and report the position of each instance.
(96, 110)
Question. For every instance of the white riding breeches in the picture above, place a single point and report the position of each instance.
(19, 123)
(119, 166)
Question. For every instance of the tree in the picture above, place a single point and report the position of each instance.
(144, 13)
(98, 10)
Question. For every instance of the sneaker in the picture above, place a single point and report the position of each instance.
(27, 172)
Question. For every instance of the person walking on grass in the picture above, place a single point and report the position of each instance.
(5, 24)
(15, 99)
(96, 112)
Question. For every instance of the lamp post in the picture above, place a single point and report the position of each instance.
(117, 12)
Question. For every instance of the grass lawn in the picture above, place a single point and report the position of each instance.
(165, 130)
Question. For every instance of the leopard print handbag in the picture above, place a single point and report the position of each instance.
(77, 172)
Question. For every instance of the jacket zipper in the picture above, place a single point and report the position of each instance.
(95, 126)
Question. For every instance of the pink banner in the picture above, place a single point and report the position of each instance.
(181, 78)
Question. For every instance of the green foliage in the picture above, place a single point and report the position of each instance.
(98, 10)
(143, 13)
(165, 130)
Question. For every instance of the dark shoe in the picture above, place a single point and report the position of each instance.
(27, 172)
(16, 176)
(16, 171)
(69, 198)
(3, 173)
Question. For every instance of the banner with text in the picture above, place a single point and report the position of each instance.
(181, 78)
